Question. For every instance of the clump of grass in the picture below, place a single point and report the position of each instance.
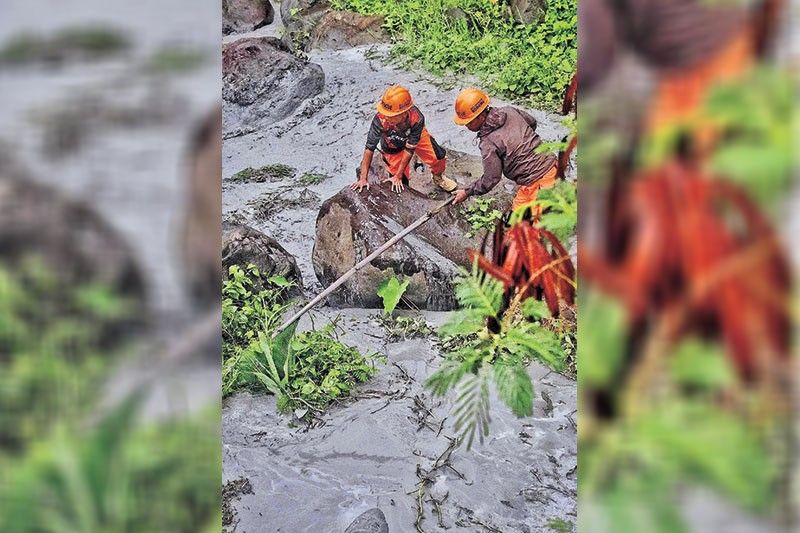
(312, 178)
(271, 173)
(399, 328)
(83, 42)
(560, 525)
(531, 62)
(269, 204)
(175, 60)
(480, 215)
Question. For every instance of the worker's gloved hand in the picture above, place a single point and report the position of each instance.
(397, 183)
(359, 185)
(461, 195)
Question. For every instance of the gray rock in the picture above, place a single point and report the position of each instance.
(338, 30)
(243, 245)
(69, 239)
(263, 83)
(352, 225)
(372, 521)
(528, 11)
(299, 18)
(246, 15)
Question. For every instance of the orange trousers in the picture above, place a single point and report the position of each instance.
(679, 97)
(526, 194)
(424, 151)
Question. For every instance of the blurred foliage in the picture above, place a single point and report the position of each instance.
(117, 477)
(528, 62)
(52, 356)
(502, 356)
(84, 42)
(175, 59)
(63, 470)
(633, 467)
(754, 124)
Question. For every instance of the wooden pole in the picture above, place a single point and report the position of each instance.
(361, 264)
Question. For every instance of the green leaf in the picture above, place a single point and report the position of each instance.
(390, 291)
(514, 387)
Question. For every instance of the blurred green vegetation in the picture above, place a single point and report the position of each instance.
(64, 466)
(86, 42)
(634, 467)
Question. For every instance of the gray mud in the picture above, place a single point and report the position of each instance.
(371, 451)
(326, 134)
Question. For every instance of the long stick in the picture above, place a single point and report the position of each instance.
(361, 264)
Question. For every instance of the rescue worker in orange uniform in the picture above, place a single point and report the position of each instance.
(508, 142)
(399, 127)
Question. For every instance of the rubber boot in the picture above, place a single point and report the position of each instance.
(444, 183)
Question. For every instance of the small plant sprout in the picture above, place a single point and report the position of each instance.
(391, 291)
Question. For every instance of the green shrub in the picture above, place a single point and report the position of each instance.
(305, 371)
(533, 63)
(502, 356)
(480, 215)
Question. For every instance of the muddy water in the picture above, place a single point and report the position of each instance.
(368, 452)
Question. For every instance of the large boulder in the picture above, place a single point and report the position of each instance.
(68, 239)
(246, 15)
(372, 521)
(243, 245)
(201, 241)
(338, 30)
(352, 225)
(263, 83)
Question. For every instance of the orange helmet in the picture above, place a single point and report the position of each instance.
(395, 100)
(469, 104)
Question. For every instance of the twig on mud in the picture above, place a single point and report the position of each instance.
(437, 508)
(403, 371)
(384, 406)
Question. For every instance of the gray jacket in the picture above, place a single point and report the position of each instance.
(508, 143)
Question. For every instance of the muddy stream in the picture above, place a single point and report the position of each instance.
(374, 450)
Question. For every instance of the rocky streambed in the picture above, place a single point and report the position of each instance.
(391, 447)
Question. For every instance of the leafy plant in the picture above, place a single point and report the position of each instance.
(480, 215)
(275, 172)
(313, 178)
(250, 305)
(560, 525)
(391, 291)
(404, 327)
(500, 355)
(531, 62)
(326, 370)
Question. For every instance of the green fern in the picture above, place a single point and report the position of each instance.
(472, 408)
(501, 356)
